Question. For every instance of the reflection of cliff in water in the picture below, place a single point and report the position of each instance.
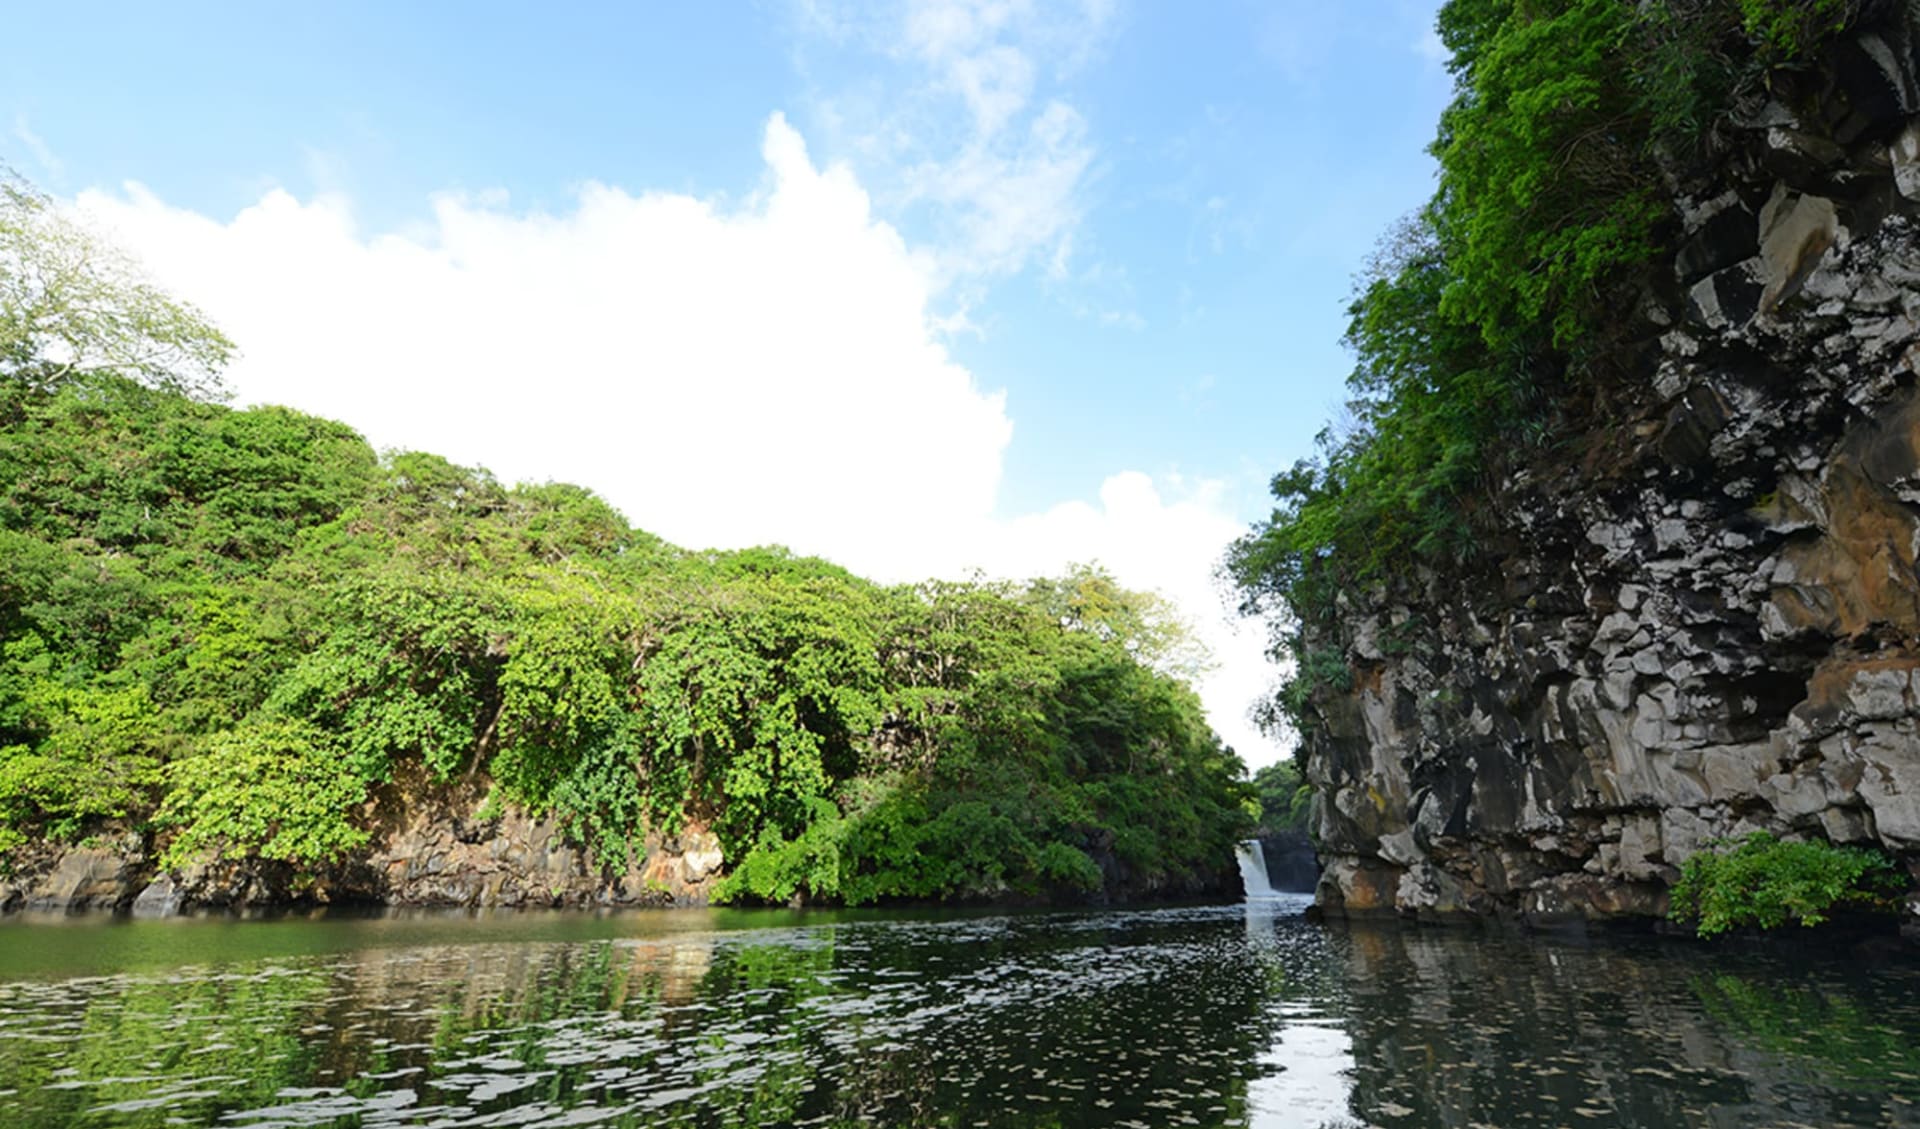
(1227, 1015)
(1455, 1029)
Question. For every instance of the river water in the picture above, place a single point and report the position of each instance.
(1237, 1015)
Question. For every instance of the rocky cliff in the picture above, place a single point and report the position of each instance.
(1292, 867)
(428, 849)
(1707, 621)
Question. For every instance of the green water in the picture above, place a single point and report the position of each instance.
(1225, 1015)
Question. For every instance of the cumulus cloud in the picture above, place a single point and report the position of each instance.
(582, 346)
(769, 371)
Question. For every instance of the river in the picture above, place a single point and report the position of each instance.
(1234, 1015)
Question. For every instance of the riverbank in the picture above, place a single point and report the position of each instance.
(426, 855)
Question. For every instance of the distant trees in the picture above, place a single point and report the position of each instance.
(1286, 800)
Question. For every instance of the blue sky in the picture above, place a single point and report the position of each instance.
(921, 286)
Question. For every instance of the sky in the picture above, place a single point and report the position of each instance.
(925, 287)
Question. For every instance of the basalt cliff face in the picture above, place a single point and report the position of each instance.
(1710, 624)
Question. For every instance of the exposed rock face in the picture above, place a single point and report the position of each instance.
(1292, 866)
(1710, 627)
(433, 845)
(428, 849)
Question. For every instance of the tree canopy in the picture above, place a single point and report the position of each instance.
(71, 302)
(227, 629)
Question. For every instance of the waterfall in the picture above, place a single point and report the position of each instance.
(1253, 869)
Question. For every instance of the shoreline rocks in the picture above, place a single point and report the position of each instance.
(435, 845)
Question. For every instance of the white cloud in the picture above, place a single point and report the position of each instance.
(1002, 204)
(766, 372)
(1001, 185)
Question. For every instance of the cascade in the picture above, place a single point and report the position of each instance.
(1253, 869)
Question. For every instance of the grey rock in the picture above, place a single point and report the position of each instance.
(161, 898)
(1718, 631)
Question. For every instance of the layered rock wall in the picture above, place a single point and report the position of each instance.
(430, 845)
(427, 848)
(1709, 623)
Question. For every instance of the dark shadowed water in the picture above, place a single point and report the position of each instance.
(1228, 1015)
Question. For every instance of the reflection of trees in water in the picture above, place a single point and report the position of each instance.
(1032, 1026)
(1451, 1028)
(1856, 1041)
(1038, 1022)
(1012, 1022)
(141, 1045)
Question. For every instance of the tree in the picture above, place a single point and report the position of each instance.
(1146, 624)
(1286, 801)
(71, 303)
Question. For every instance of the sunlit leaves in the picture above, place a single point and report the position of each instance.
(301, 623)
(268, 790)
(71, 303)
(1765, 882)
(97, 755)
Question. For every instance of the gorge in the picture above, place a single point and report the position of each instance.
(346, 787)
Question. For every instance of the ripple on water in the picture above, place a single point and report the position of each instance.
(1243, 1016)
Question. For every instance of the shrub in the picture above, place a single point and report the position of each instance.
(97, 761)
(275, 790)
(1765, 882)
(1788, 28)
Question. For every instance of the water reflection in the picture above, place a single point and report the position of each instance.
(1228, 1016)
(1456, 1030)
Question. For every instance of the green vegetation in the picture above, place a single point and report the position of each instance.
(1491, 319)
(1286, 799)
(1764, 882)
(69, 303)
(231, 629)
(1844, 1035)
(1788, 28)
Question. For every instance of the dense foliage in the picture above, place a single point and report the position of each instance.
(1766, 882)
(235, 624)
(1286, 799)
(230, 627)
(1492, 317)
